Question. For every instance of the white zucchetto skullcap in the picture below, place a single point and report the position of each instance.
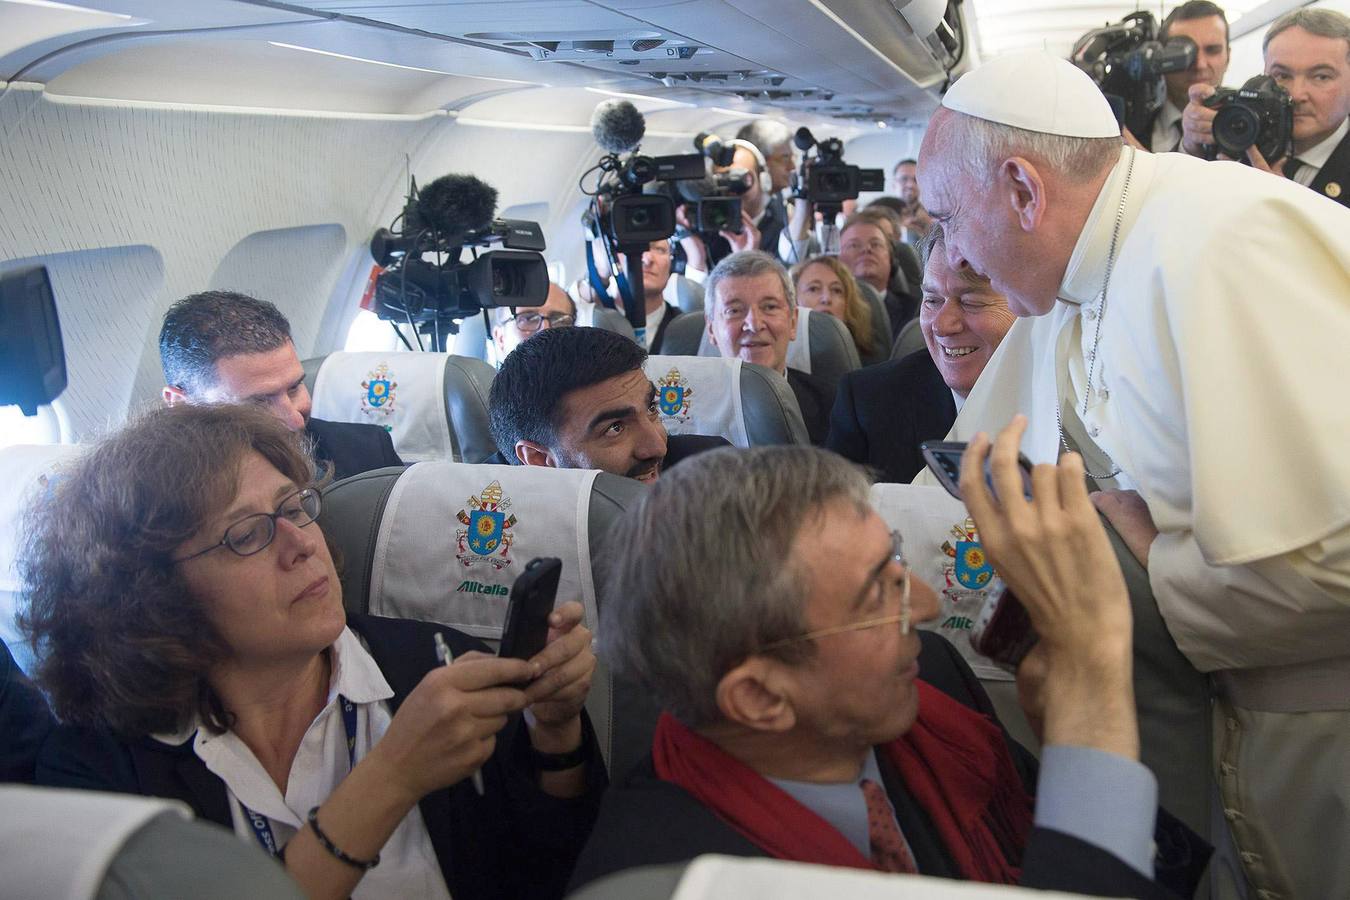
(1035, 91)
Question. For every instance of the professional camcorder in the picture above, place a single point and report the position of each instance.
(1260, 112)
(825, 179)
(441, 220)
(1128, 62)
(633, 204)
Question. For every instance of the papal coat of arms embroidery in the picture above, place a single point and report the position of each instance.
(378, 401)
(673, 395)
(487, 538)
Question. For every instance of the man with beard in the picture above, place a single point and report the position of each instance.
(577, 398)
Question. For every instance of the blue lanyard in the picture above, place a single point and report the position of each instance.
(262, 829)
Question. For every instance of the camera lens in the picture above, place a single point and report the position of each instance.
(1235, 129)
(639, 217)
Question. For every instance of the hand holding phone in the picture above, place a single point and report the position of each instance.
(527, 612)
(944, 459)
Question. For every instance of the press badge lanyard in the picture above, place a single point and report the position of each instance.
(262, 828)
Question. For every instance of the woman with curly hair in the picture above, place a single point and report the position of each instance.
(191, 635)
(825, 285)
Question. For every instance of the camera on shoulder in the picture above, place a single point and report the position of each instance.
(1259, 113)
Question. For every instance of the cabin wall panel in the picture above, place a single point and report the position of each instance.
(192, 184)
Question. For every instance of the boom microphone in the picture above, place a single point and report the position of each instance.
(455, 205)
(618, 126)
(711, 146)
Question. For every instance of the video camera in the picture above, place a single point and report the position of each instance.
(1260, 112)
(449, 214)
(633, 206)
(825, 179)
(1127, 61)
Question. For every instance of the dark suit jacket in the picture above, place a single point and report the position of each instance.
(351, 447)
(25, 721)
(882, 412)
(646, 821)
(672, 313)
(770, 226)
(1337, 172)
(515, 841)
(815, 395)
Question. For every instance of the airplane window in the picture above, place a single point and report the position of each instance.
(49, 426)
(370, 332)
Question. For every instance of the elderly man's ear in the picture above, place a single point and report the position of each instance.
(757, 694)
(1025, 190)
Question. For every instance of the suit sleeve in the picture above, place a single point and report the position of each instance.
(388, 454)
(25, 721)
(846, 436)
(86, 759)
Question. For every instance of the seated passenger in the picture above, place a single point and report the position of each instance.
(511, 325)
(192, 637)
(25, 721)
(223, 347)
(882, 413)
(577, 398)
(795, 725)
(752, 315)
(823, 284)
(868, 244)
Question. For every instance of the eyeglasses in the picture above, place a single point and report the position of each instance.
(252, 534)
(534, 321)
(876, 582)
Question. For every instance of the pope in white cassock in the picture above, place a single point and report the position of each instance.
(1192, 338)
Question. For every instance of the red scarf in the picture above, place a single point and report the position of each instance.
(954, 762)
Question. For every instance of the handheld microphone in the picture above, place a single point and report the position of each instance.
(803, 140)
(455, 205)
(617, 125)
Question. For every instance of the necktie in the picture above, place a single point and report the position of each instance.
(889, 850)
(1292, 166)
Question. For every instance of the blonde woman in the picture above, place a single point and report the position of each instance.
(824, 285)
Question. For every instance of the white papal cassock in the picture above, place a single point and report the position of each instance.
(1220, 391)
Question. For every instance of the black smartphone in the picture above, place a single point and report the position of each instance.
(1003, 632)
(532, 599)
(944, 458)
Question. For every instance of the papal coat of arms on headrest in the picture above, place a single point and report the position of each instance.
(672, 396)
(488, 538)
(970, 567)
(378, 400)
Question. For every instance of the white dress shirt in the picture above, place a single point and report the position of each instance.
(1316, 156)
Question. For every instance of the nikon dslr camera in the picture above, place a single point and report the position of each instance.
(1260, 112)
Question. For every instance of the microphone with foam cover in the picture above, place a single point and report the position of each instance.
(618, 126)
(457, 204)
(711, 146)
(803, 140)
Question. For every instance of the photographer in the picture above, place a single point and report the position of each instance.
(1205, 24)
(763, 216)
(1307, 52)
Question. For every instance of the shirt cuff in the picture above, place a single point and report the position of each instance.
(697, 276)
(1104, 799)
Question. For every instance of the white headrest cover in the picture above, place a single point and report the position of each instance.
(942, 548)
(455, 536)
(404, 393)
(699, 395)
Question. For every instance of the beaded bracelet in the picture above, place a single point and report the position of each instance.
(363, 865)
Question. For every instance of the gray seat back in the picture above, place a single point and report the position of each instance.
(464, 387)
(909, 340)
(881, 319)
(373, 525)
(607, 319)
(688, 294)
(823, 345)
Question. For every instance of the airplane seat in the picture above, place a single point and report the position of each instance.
(688, 294)
(881, 319)
(823, 345)
(607, 319)
(29, 469)
(94, 845)
(908, 340)
(443, 542)
(749, 405)
(433, 404)
(473, 339)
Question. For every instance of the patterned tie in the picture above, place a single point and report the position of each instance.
(889, 850)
